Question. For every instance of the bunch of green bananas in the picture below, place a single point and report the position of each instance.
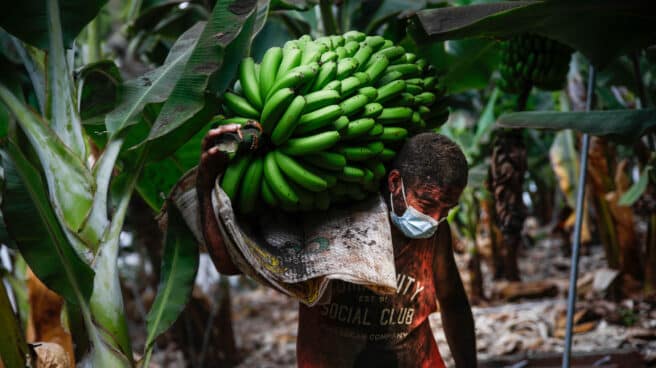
(530, 60)
(332, 110)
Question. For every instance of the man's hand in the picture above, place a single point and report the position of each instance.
(212, 159)
(212, 162)
(457, 319)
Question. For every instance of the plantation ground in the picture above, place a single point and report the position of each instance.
(265, 321)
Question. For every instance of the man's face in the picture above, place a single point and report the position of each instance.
(427, 198)
(430, 200)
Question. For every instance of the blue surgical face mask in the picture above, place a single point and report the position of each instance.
(414, 224)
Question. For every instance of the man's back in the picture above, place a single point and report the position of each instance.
(362, 329)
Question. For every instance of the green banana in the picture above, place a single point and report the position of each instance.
(277, 182)
(346, 67)
(319, 99)
(376, 147)
(250, 186)
(413, 88)
(391, 115)
(317, 119)
(327, 160)
(363, 55)
(310, 144)
(267, 194)
(349, 86)
(353, 104)
(326, 74)
(390, 90)
(351, 174)
(377, 168)
(391, 53)
(375, 42)
(372, 110)
(354, 36)
(299, 174)
(375, 131)
(377, 67)
(239, 105)
(340, 123)
(360, 153)
(290, 59)
(337, 40)
(406, 70)
(362, 77)
(312, 52)
(248, 81)
(335, 85)
(234, 120)
(351, 47)
(268, 69)
(274, 108)
(388, 77)
(287, 123)
(341, 52)
(358, 127)
(391, 134)
(425, 98)
(305, 197)
(387, 155)
(369, 91)
(233, 175)
(296, 77)
(328, 56)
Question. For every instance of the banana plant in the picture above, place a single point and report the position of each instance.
(65, 209)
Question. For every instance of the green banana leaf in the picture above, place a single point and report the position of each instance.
(28, 19)
(179, 267)
(466, 64)
(70, 185)
(13, 348)
(33, 226)
(633, 194)
(34, 61)
(601, 29)
(158, 177)
(154, 86)
(292, 4)
(97, 86)
(224, 42)
(61, 109)
(624, 126)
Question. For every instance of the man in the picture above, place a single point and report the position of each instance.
(360, 328)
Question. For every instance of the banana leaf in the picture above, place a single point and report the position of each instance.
(97, 86)
(28, 19)
(33, 226)
(70, 185)
(154, 86)
(623, 126)
(224, 42)
(179, 267)
(13, 348)
(61, 110)
(601, 29)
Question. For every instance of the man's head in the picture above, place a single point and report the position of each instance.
(433, 170)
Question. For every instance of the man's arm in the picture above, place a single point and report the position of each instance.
(212, 162)
(457, 319)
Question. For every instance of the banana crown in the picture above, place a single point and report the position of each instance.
(333, 112)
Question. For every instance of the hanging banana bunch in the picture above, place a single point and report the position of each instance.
(333, 111)
(527, 60)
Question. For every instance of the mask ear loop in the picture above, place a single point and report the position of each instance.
(404, 200)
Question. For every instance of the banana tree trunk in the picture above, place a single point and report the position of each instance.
(601, 183)
(506, 182)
